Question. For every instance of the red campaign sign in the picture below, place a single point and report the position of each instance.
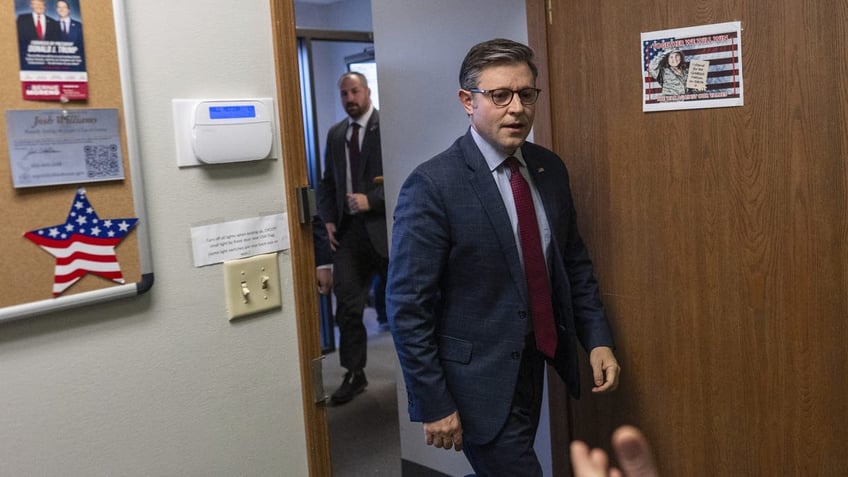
(54, 91)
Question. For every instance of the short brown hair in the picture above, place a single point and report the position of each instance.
(499, 51)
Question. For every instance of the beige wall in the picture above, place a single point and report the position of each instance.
(164, 384)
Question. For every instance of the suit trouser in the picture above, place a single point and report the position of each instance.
(354, 265)
(511, 453)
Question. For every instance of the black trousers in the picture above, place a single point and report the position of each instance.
(355, 263)
(511, 453)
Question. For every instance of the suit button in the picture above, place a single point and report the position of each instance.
(516, 355)
(522, 315)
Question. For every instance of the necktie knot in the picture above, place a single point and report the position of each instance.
(512, 163)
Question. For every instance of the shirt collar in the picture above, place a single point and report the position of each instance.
(493, 157)
(362, 120)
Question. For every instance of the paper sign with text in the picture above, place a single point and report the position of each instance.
(243, 238)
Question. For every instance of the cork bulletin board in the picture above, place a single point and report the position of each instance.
(106, 203)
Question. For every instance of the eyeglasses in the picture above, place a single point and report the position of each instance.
(503, 96)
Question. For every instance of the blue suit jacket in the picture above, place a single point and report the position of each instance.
(74, 33)
(457, 296)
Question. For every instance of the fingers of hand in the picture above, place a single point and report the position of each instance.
(448, 443)
(612, 374)
(445, 441)
(585, 463)
(606, 376)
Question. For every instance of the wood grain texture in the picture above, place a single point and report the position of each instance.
(303, 258)
(719, 235)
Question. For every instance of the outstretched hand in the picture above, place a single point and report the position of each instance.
(630, 447)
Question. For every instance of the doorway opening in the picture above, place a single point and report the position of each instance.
(364, 433)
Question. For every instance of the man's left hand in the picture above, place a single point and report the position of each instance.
(358, 203)
(605, 369)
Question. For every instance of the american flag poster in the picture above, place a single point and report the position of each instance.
(83, 244)
(692, 68)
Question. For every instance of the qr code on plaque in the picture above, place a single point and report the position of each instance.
(102, 161)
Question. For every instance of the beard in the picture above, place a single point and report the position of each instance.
(353, 110)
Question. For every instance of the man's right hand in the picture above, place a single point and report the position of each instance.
(331, 235)
(446, 433)
(325, 280)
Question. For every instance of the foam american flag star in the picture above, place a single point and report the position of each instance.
(84, 244)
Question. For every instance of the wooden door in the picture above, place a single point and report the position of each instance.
(720, 236)
(300, 234)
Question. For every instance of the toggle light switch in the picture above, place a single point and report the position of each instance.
(245, 292)
(252, 285)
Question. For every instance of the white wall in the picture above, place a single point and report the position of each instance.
(420, 45)
(328, 62)
(354, 15)
(164, 384)
(327, 67)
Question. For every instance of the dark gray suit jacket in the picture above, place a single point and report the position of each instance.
(331, 190)
(457, 297)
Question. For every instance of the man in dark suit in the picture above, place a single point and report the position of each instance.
(35, 25)
(475, 309)
(352, 206)
(69, 29)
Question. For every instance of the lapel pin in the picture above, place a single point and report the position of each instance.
(540, 170)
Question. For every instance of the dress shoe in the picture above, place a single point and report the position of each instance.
(353, 384)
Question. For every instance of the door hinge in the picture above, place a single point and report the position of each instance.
(306, 207)
(318, 395)
(550, 12)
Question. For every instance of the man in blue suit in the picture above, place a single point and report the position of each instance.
(69, 29)
(473, 324)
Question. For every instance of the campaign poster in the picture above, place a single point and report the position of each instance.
(692, 68)
(51, 50)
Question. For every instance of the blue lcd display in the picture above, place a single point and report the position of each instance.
(232, 112)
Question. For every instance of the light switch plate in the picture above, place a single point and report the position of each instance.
(252, 285)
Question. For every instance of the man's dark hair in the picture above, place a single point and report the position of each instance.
(499, 51)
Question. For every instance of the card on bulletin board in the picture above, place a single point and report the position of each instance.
(51, 50)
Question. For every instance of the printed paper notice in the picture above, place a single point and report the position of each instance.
(692, 68)
(244, 238)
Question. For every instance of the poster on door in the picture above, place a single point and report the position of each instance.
(51, 50)
(692, 68)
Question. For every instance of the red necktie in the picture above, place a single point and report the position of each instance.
(353, 156)
(535, 271)
(38, 31)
